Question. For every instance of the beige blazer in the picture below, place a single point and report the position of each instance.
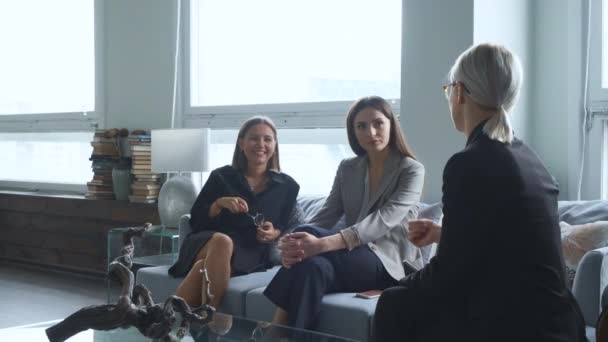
(379, 220)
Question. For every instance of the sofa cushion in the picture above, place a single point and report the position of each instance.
(162, 286)
(342, 314)
(158, 281)
(591, 278)
(579, 212)
(580, 239)
(311, 204)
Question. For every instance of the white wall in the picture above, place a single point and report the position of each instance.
(509, 23)
(550, 91)
(557, 96)
(434, 34)
(577, 36)
(139, 39)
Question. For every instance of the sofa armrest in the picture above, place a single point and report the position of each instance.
(184, 228)
(589, 282)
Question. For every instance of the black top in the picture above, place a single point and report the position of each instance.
(499, 268)
(276, 203)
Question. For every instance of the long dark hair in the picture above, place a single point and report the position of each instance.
(396, 140)
(239, 161)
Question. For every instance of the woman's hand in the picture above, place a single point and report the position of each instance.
(424, 232)
(298, 246)
(290, 254)
(267, 233)
(235, 205)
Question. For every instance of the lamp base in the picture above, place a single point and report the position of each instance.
(175, 199)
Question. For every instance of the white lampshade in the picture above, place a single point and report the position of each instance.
(180, 150)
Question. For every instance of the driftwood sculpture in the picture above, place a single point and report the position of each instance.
(135, 306)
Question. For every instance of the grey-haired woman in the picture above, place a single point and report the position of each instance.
(498, 273)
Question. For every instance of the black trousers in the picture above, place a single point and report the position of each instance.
(300, 289)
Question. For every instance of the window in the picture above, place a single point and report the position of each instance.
(46, 157)
(295, 58)
(598, 56)
(313, 166)
(48, 86)
(605, 44)
(47, 64)
(598, 85)
(605, 162)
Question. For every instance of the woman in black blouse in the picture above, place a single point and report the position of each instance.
(225, 238)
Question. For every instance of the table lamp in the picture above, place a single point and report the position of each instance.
(176, 151)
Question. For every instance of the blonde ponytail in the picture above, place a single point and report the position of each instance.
(499, 127)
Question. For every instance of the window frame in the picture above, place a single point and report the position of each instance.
(598, 96)
(330, 114)
(63, 122)
(44, 187)
(604, 172)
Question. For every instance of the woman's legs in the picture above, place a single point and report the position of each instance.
(281, 291)
(215, 256)
(298, 291)
(312, 278)
(280, 317)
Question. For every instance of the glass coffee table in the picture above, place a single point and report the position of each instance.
(156, 247)
(232, 329)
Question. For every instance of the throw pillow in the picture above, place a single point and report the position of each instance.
(579, 239)
(580, 212)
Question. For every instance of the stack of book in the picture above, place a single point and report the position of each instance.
(146, 184)
(104, 157)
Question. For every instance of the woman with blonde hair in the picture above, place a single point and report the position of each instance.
(498, 274)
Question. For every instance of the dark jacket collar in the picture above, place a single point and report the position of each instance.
(273, 176)
(476, 133)
(276, 176)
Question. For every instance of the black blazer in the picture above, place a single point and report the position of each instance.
(276, 203)
(498, 274)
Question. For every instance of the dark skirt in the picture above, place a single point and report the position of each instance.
(246, 257)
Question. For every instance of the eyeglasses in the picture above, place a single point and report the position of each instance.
(447, 88)
(257, 219)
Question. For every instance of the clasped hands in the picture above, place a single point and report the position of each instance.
(298, 246)
(265, 233)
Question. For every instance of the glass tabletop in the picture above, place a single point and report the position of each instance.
(158, 246)
(226, 328)
(156, 230)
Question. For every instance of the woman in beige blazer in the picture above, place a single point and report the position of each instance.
(378, 192)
